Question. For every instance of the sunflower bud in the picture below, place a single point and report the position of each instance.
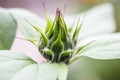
(56, 44)
(58, 39)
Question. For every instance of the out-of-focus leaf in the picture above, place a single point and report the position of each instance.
(7, 30)
(91, 69)
(14, 66)
(98, 20)
(20, 15)
(104, 47)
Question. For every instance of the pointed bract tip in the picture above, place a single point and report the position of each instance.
(58, 12)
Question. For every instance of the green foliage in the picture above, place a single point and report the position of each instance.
(104, 55)
(93, 69)
(7, 30)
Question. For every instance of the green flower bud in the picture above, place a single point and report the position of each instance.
(56, 43)
(58, 38)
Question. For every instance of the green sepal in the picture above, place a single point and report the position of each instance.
(57, 28)
(44, 40)
(70, 29)
(76, 32)
(82, 47)
(57, 47)
(49, 23)
(63, 32)
(64, 35)
(76, 54)
(63, 23)
(42, 35)
(34, 41)
(65, 56)
(48, 54)
(50, 32)
(66, 40)
(55, 32)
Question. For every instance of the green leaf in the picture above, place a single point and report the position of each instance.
(7, 30)
(14, 66)
(104, 47)
(91, 69)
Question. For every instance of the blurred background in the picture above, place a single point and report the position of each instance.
(72, 6)
(87, 69)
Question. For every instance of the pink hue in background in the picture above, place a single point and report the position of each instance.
(36, 6)
(26, 47)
